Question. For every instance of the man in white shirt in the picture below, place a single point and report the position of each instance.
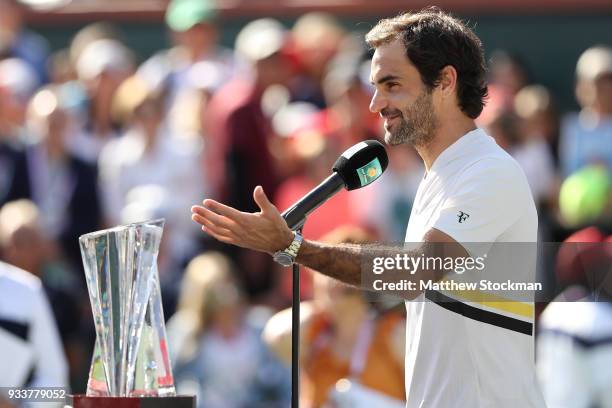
(31, 352)
(428, 71)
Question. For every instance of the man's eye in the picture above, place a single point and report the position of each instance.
(392, 85)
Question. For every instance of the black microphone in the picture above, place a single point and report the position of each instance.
(357, 167)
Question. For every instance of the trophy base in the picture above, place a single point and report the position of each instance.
(83, 401)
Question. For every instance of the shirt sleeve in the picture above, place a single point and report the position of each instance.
(51, 368)
(487, 199)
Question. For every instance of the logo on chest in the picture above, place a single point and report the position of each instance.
(463, 216)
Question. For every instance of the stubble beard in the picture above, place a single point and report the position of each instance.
(416, 125)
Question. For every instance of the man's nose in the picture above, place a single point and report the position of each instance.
(378, 102)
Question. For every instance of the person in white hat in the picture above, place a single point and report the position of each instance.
(586, 136)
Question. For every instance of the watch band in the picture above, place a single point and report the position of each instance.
(293, 249)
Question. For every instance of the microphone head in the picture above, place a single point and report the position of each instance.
(361, 164)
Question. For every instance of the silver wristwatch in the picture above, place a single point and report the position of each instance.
(287, 256)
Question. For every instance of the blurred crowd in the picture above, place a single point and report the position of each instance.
(95, 135)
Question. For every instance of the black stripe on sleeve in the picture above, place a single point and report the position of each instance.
(480, 315)
(16, 328)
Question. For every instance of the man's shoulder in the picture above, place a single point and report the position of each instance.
(492, 161)
(17, 281)
(490, 172)
(478, 152)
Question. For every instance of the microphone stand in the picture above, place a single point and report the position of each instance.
(295, 333)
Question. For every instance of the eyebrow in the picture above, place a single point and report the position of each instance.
(386, 78)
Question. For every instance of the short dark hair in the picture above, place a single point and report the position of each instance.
(433, 40)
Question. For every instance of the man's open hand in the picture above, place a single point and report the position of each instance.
(264, 231)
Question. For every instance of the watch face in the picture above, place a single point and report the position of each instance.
(283, 258)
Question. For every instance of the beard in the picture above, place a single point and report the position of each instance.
(416, 125)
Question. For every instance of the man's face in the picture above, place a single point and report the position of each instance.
(603, 86)
(401, 98)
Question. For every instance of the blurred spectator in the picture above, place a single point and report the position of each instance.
(536, 106)
(507, 73)
(586, 137)
(504, 128)
(88, 34)
(62, 185)
(11, 162)
(16, 41)
(187, 114)
(586, 198)
(315, 39)
(194, 68)
(101, 66)
(238, 126)
(30, 347)
(290, 122)
(537, 129)
(193, 29)
(17, 85)
(215, 343)
(342, 337)
(529, 150)
(60, 67)
(24, 244)
(522, 133)
(348, 118)
(148, 155)
(239, 154)
(317, 154)
(507, 76)
(580, 258)
(574, 344)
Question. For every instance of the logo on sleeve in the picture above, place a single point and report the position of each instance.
(463, 216)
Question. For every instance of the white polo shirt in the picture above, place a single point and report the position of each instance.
(461, 353)
(31, 352)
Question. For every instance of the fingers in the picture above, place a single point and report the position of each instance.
(222, 209)
(211, 226)
(262, 200)
(216, 219)
(219, 233)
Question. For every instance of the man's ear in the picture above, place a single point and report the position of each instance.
(448, 81)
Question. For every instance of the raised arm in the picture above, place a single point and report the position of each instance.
(267, 231)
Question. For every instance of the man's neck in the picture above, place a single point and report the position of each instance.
(447, 133)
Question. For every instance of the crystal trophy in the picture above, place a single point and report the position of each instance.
(131, 355)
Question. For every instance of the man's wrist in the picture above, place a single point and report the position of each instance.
(286, 257)
(288, 239)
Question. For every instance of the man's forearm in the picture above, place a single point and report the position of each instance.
(342, 262)
(346, 262)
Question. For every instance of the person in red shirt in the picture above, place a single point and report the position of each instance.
(239, 133)
(239, 136)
